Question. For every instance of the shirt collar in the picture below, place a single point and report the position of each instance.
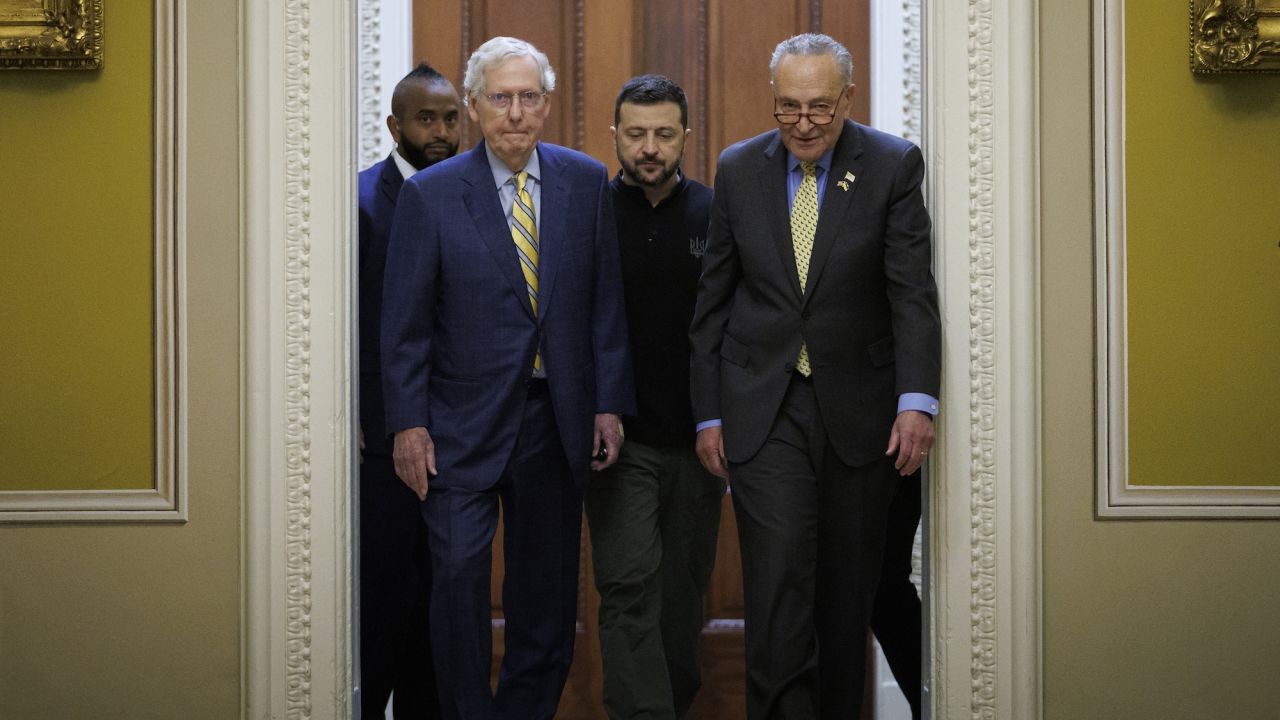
(406, 170)
(502, 173)
(636, 192)
(823, 162)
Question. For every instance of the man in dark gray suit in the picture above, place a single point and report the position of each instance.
(815, 372)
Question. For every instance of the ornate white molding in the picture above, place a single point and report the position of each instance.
(1116, 497)
(385, 56)
(983, 365)
(981, 123)
(897, 99)
(166, 499)
(371, 113)
(298, 250)
(912, 104)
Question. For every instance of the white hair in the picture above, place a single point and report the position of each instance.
(814, 44)
(498, 49)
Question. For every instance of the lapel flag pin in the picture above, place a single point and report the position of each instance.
(849, 176)
(843, 185)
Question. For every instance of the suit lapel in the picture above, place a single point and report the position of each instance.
(836, 200)
(488, 215)
(555, 208)
(390, 180)
(773, 187)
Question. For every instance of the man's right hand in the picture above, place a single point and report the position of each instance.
(710, 448)
(415, 457)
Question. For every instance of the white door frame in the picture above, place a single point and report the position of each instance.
(300, 156)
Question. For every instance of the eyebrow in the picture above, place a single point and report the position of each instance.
(815, 101)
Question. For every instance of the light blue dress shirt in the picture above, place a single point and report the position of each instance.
(502, 178)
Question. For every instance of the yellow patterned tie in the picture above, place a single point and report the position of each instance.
(804, 222)
(524, 231)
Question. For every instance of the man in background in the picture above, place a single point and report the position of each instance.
(816, 367)
(395, 564)
(654, 515)
(506, 371)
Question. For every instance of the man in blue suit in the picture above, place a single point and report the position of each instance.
(395, 564)
(505, 370)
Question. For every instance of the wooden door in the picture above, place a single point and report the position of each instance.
(718, 50)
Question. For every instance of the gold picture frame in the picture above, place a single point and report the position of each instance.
(1230, 36)
(51, 34)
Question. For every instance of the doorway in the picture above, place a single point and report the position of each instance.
(719, 55)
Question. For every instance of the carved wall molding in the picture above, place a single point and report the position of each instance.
(296, 389)
(370, 123)
(299, 90)
(983, 540)
(166, 498)
(983, 363)
(385, 54)
(912, 71)
(897, 104)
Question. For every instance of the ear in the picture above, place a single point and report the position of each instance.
(687, 133)
(849, 93)
(471, 110)
(393, 126)
(613, 133)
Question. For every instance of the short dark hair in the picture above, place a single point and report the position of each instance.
(422, 75)
(651, 90)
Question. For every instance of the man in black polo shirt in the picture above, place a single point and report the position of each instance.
(655, 514)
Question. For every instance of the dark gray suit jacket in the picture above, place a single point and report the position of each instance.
(869, 312)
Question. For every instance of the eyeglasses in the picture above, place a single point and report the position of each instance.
(817, 118)
(529, 99)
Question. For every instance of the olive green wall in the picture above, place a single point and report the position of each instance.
(1143, 620)
(1203, 180)
(142, 621)
(75, 288)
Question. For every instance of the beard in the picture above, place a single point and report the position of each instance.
(632, 170)
(424, 156)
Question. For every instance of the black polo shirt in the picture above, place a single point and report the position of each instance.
(661, 249)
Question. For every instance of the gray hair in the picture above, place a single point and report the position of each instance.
(814, 44)
(498, 49)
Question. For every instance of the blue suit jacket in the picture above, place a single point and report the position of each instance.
(459, 334)
(379, 187)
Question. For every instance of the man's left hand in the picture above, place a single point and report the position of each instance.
(608, 434)
(912, 439)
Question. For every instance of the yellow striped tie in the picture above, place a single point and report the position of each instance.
(804, 223)
(524, 231)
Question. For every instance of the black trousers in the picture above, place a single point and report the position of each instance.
(895, 617)
(395, 587)
(812, 534)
